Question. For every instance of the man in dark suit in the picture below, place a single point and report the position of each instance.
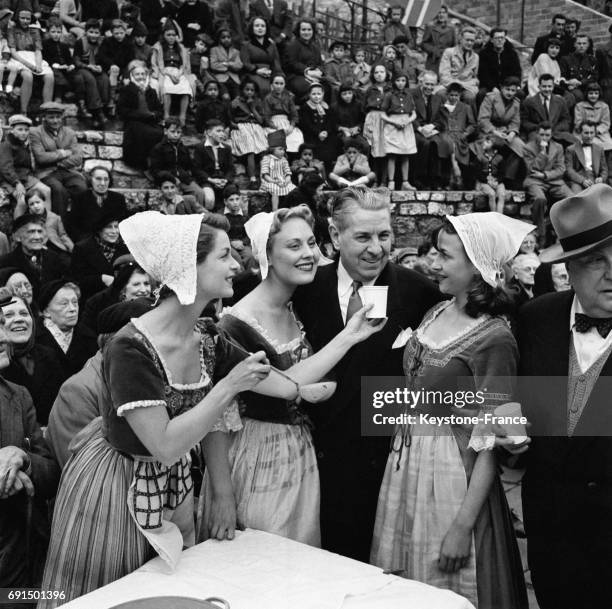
(31, 255)
(557, 31)
(545, 106)
(585, 163)
(427, 126)
(565, 344)
(278, 16)
(545, 168)
(351, 465)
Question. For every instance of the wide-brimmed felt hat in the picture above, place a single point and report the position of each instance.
(583, 223)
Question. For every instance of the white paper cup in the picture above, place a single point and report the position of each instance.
(376, 295)
(516, 431)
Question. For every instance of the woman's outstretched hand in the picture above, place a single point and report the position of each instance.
(359, 327)
(248, 373)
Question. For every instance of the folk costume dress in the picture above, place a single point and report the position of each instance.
(117, 506)
(429, 469)
(272, 458)
(276, 168)
(374, 126)
(249, 137)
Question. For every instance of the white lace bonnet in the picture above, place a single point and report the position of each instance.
(490, 240)
(258, 230)
(165, 247)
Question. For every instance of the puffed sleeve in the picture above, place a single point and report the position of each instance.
(494, 365)
(131, 375)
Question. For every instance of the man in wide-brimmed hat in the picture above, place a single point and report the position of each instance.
(565, 345)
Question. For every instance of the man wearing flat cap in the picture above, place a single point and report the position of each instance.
(58, 157)
(31, 255)
(565, 383)
(17, 166)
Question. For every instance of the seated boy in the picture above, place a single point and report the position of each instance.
(235, 215)
(306, 164)
(171, 155)
(172, 202)
(352, 167)
(91, 82)
(57, 54)
(213, 163)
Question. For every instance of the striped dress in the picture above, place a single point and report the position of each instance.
(272, 458)
(277, 169)
(116, 508)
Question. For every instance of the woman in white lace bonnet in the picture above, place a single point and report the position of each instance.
(271, 480)
(442, 516)
(169, 379)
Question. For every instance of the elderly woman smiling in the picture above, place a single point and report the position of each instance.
(33, 366)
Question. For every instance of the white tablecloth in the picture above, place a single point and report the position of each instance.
(259, 570)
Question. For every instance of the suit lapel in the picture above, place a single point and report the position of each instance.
(580, 155)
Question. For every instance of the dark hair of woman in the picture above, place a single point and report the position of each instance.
(481, 297)
(296, 29)
(251, 33)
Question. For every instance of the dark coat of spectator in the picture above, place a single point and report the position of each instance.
(151, 14)
(279, 19)
(104, 10)
(603, 55)
(255, 56)
(229, 13)
(436, 39)
(48, 266)
(494, 67)
(173, 158)
(19, 564)
(15, 161)
(199, 13)
(142, 129)
(576, 171)
(533, 113)
(86, 212)
(580, 66)
(205, 164)
(115, 53)
(298, 56)
(541, 44)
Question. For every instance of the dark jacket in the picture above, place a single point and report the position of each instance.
(127, 105)
(204, 163)
(85, 212)
(255, 56)
(105, 10)
(567, 487)
(18, 427)
(82, 347)
(582, 67)
(115, 53)
(57, 52)
(299, 55)
(174, 158)
(43, 384)
(199, 13)
(420, 107)
(15, 160)
(52, 266)
(88, 264)
(533, 113)
(280, 19)
(494, 67)
(209, 108)
(541, 44)
(575, 164)
(351, 465)
(151, 14)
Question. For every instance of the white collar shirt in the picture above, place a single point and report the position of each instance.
(589, 346)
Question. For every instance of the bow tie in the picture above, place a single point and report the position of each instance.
(583, 323)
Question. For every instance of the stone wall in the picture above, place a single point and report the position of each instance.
(415, 214)
(537, 17)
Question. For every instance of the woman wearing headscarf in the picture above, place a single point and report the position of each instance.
(141, 111)
(33, 366)
(130, 282)
(92, 258)
(169, 379)
(442, 515)
(270, 480)
(28, 476)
